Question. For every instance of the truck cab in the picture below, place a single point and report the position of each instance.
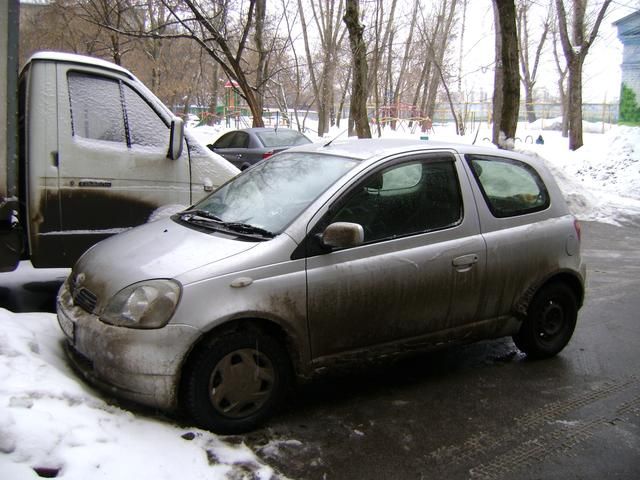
(98, 154)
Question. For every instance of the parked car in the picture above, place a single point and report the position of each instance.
(323, 255)
(245, 147)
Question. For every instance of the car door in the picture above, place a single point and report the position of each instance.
(113, 170)
(421, 266)
(233, 146)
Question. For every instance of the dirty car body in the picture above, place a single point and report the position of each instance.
(324, 255)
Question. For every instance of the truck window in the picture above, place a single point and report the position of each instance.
(96, 108)
(146, 128)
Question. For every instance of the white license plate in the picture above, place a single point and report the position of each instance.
(67, 325)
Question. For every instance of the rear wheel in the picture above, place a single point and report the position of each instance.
(550, 322)
(236, 381)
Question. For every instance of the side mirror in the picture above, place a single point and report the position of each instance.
(343, 235)
(176, 138)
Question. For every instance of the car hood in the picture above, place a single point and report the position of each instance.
(162, 249)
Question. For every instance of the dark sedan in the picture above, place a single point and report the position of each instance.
(245, 147)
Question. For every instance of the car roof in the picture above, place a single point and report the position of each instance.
(264, 129)
(364, 149)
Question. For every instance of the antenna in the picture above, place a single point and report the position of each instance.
(331, 141)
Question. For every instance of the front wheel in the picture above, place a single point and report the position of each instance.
(551, 319)
(236, 381)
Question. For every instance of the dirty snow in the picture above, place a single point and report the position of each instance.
(53, 423)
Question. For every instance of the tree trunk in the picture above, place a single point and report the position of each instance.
(528, 96)
(575, 54)
(343, 98)
(529, 69)
(358, 110)
(575, 103)
(261, 8)
(497, 81)
(510, 69)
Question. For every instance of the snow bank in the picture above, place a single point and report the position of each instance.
(601, 180)
(52, 423)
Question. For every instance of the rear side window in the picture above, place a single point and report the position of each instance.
(282, 138)
(224, 141)
(509, 187)
(232, 140)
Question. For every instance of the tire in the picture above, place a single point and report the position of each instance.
(550, 322)
(236, 381)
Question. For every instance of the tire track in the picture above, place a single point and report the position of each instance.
(483, 444)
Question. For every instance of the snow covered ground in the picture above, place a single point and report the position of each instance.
(52, 423)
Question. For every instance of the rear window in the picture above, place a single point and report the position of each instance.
(509, 187)
(282, 138)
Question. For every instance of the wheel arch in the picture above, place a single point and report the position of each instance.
(256, 324)
(570, 279)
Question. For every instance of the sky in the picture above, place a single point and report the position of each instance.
(601, 75)
(52, 421)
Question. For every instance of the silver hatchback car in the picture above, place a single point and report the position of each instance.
(325, 254)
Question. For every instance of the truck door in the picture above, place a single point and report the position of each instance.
(113, 170)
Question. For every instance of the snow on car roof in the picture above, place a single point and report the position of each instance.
(366, 148)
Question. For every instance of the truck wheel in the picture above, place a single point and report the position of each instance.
(236, 381)
(550, 321)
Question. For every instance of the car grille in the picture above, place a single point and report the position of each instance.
(85, 299)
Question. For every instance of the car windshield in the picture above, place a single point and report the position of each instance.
(269, 196)
(282, 138)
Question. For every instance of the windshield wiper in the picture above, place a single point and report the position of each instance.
(206, 217)
(248, 229)
(202, 214)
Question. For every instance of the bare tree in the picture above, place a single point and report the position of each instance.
(261, 69)
(112, 15)
(298, 81)
(405, 58)
(358, 110)
(380, 40)
(529, 66)
(435, 30)
(154, 16)
(575, 50)
(563, 70)
(506, 122)
(326, 15)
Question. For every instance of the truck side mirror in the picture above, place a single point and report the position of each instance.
(176, 138)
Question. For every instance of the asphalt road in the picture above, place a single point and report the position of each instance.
(482, 411)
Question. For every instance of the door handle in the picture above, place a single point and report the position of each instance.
(465, 262)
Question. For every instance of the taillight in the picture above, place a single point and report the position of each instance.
(267, 154)
(576, 225)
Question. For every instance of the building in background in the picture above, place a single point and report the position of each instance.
(629, 35)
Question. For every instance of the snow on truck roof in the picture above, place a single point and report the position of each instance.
(82, 59)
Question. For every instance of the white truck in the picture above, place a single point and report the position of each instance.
(87, 151)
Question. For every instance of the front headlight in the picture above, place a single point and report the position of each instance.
(148, 304)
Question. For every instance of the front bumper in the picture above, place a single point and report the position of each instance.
(139, 365)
